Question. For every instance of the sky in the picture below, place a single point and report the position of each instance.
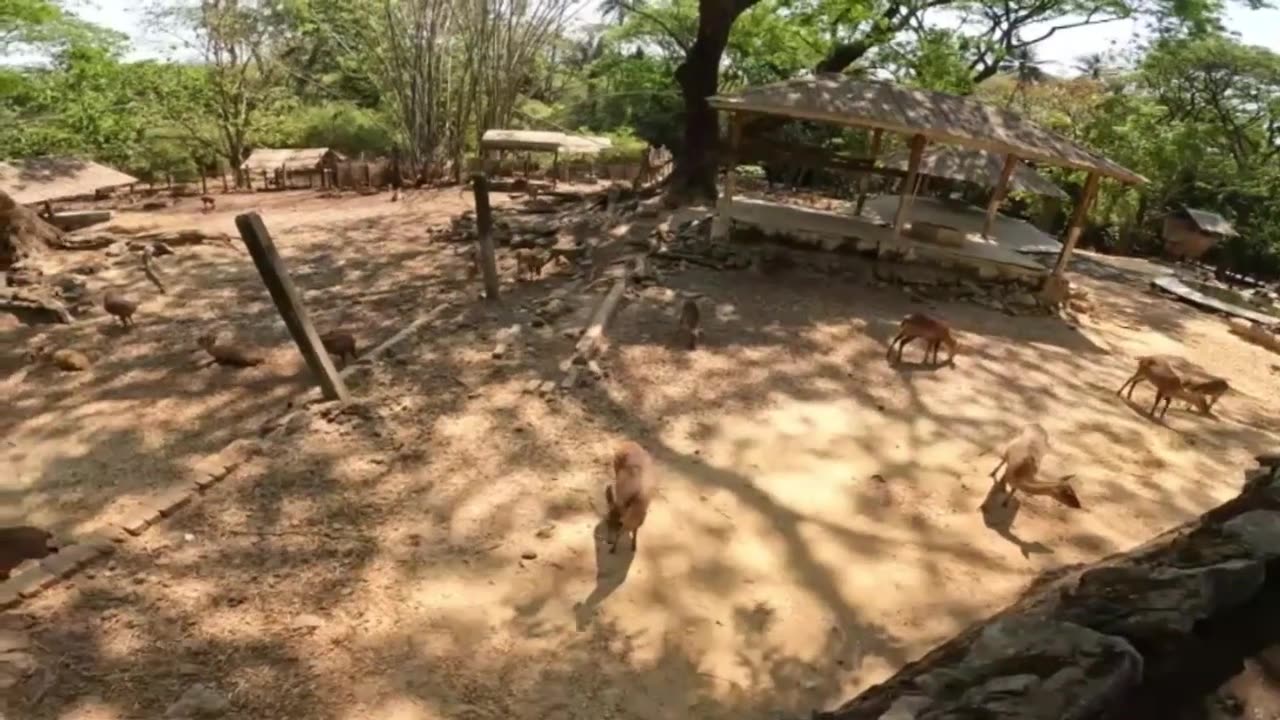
(1255, 27)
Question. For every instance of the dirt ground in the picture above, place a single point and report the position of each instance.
(434, 550)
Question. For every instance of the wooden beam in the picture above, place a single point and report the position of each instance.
(724, 207)
(1077, 223)
(484, 236)
(997, 195)
(918, 143)
(289, 302)
(877, 136)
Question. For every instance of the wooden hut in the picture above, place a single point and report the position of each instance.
(47, 179)
(1188, 234)
(290, 167)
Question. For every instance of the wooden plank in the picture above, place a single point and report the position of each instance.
(724, 207)
(484, 236)
(289, 302)
(918, 143)
(997, 195)
(1077, 223)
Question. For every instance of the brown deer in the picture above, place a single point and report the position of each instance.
(690, 328)
(1207, 393)
(933, 331)
(227, 353)
(340, 343)
(1021, 461)
(115, 303)
(1160, 373)
(630, 494)
(208, 204)
(529, 263)
(23, 543)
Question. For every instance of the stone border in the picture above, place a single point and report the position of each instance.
(72, 557)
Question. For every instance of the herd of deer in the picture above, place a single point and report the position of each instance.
(634, 487)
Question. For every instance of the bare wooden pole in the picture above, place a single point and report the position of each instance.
(877, 136)
(289, 302)
(484, 235)
(997, 195)
(724, 207)
(908, 184)
(1077, 223)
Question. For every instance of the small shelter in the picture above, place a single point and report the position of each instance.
(539, 141)
(279, 164)
(42, 179)
(924, 116)
(978, 167)
(1188, 234)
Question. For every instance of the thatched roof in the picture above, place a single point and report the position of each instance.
(53, 178)
(292, 159)
(976, 166)
(542, 141)
(937, 116)
(1210, 222)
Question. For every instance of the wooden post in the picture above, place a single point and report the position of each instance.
(1077, 223)
(204, 184)
(724, 207)
(225, 189)
(484, 236)
(998, 193)
(908, 184)
(877, 136)
(289, 302)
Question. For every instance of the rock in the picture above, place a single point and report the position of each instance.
(1259, 530)
(307, 621)
(1272, 458)
(1022, 300)
(89, 268)
(199, 701)
(529, 555)
(545, 531)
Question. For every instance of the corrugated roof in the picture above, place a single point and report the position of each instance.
(292, 159)
(1210, 222)
(976, 166)
(939, 117)
(542, 141)
(52, 178)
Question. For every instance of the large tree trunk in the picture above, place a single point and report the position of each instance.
(23, 233)
(699, 78)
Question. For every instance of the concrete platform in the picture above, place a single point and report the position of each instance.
(831, 230)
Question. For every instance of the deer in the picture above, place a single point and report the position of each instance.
(227, 353)
(1207, 393)
(21, 543)
(339, 343)
(630, 494)
(690, 327)
(529, 263)
(1021, 462)
(115, 303)
(1160, 373)
(208, 204)
(933, 331)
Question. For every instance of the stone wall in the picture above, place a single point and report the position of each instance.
(1132, 636)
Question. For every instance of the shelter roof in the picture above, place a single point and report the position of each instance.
(293, 159)
(1210, 222)
(976, 166)
(542, 141)
(51, 178)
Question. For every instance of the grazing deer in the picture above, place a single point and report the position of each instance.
(529, 263)
(1207, 393)
(340, 343)
(23, 543)
(208, 204)
(1021, 461)
(1160, 373)
(226, 353)
(629, 496)
(933, 331)
(690, 324)
(115, 303)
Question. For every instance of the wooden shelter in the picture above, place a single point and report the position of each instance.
(281, 164)
(923, 116)
(1188, 234)
(42, 179)
(542, 141)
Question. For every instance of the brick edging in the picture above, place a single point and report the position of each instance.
(74, 556)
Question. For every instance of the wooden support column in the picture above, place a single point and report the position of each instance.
(724, 207)
(289, 302)
(908, 185)
(1077, 223)
(484, 236)
(877, 136)
(997, 194)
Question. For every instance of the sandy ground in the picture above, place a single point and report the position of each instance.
(434, 551)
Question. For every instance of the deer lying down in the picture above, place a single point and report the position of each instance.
(1021, 462)
(629, 496)
(933, 331)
